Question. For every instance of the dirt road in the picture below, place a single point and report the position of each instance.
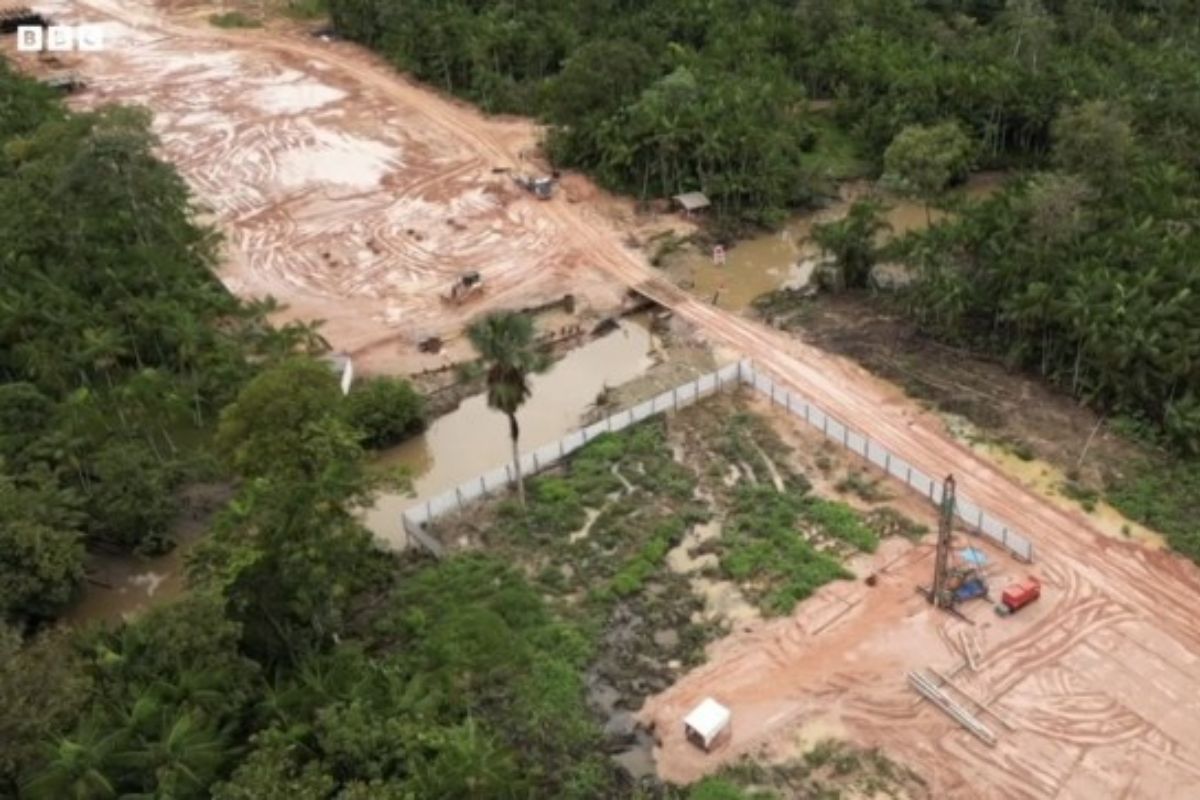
(337, 186)
(1102, 684)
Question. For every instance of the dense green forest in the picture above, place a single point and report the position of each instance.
(1085, 269)
(671, 95)
(117, 344)
(305, 662)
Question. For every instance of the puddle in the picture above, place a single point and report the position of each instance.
(680, 559)
(724, 602)
(1047, 480)
(757, 266)
(638, 761)
(753, 267)
(122, 585)
(474, 439)
(129, 585)
(636, 747)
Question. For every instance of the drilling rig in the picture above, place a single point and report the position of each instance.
(939, 594)
(953, 583)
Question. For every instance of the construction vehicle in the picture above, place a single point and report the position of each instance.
(541, 187)
(953, 583)
(468, 285)
(1019, 595)
(66, 82)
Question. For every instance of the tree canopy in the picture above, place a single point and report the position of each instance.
(665, 96)
(118, 349)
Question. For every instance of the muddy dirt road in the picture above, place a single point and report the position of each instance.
(305, 149)
(336, 183)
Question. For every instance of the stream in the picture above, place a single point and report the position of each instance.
(473, 438)
(788, 257)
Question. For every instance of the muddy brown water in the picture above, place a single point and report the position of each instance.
(128, 585)
(473, 439)
(458, 446)
(121, 585)
(763, 264)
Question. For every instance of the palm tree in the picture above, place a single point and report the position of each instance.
(851, 240)
(504, 341)
(178, 748)
(78, 768)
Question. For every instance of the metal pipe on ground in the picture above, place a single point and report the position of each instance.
(928, 689)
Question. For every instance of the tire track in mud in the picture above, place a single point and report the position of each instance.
(1150, 585)
(436, 184)
(1100, 584)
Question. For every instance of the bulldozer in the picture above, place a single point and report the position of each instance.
(468, 285)
(541, 187)
(65, 82)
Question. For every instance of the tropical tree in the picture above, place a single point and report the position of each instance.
(266, 430)
(386, 410)
(289, 554)
(79, 767)
(851, 240)
(922, 161)
(1096, 141)
(505, 343)
(41, 547)
(43, 690)
(170, 751)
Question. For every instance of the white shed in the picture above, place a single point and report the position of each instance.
(706, 722)
(692, 202)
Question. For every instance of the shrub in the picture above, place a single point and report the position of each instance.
(841, 522)
(234, 19)
(386, 411)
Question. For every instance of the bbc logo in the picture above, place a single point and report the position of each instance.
(60, 38)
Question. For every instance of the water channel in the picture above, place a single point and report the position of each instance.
(457, 446)
(788, 257)
(473, 439)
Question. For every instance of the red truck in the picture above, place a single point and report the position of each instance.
(1019, 595)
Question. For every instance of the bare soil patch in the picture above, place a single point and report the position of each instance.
(1015, 409)
(1100, 677)
(336, 186)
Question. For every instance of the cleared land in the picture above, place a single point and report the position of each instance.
(336, 184)
(303, 148)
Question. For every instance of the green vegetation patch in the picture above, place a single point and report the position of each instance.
(1163, 494)
(831, 769)
(306, 9)
(611, 580)
(763, 548)
(234, 19)
(839, 521)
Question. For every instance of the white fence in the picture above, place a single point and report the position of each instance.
(974, 517)
(415, 519)
(499, 479)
